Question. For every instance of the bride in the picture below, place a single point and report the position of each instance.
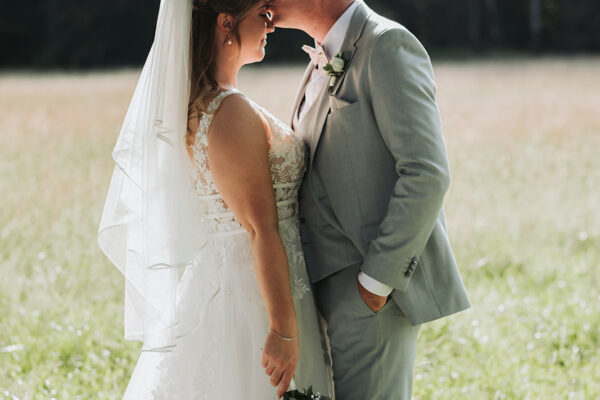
(201, 218)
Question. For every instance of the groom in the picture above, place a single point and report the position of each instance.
(373, 228)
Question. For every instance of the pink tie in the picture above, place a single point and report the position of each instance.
(317, 55)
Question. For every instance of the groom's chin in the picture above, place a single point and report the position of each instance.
(283, 23)
(279, 19)
(286, 21)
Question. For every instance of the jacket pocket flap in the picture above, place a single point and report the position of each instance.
(339, 104)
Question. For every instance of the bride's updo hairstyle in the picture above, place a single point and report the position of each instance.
(203, 44)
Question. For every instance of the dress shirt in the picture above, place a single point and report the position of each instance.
(332, 44)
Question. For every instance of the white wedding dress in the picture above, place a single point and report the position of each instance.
(223, 322)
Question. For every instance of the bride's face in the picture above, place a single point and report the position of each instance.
(253, 32)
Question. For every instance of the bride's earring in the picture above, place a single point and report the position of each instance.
(227, 24)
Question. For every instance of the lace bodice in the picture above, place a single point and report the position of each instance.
(286, 160)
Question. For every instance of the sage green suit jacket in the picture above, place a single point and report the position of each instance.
(377, 150)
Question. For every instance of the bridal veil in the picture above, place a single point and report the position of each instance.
(150, 225)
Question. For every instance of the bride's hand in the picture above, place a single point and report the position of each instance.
(279, 360)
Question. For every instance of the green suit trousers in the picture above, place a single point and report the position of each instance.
(373, 352)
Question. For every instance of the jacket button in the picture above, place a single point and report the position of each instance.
(408, 273)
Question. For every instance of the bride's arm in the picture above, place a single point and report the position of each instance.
(238, 155)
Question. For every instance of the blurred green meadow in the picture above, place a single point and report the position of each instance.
(523, 138)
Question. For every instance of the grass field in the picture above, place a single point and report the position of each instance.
(523, 138)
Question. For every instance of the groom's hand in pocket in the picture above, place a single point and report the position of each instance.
(373, 301)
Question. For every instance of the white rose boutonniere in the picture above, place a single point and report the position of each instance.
(334, 69)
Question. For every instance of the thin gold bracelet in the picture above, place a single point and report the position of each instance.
(287, 339)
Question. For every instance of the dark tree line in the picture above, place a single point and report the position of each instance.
(96, 33)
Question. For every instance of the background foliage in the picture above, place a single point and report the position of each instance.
(96, 33)
(522, 137)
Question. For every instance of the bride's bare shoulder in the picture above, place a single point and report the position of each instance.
(238, 141)
(237, 116)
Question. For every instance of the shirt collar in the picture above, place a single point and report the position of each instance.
(334, 39)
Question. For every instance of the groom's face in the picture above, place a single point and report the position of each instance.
(289, 13)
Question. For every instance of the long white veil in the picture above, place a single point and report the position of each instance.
(150, 226)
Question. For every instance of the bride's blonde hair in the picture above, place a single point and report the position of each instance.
(203, 45)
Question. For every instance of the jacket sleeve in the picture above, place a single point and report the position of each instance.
(403, 103)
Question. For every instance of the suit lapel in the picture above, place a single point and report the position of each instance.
(355, 29)
(316, 119)
(300, 91)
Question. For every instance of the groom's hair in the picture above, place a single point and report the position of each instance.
(203, 46)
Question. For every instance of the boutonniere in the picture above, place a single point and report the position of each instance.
(334, 69)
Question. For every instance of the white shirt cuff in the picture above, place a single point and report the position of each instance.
(373, 285)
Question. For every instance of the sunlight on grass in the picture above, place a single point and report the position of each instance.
(523, 139)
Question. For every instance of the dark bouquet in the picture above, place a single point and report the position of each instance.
(304, 395)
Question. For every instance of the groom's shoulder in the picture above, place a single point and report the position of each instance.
(384, 31)
(380, 24)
